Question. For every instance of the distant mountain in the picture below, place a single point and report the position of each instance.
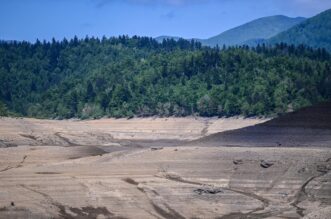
(254, 31)
(314, 32)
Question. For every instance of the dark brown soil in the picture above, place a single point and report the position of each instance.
(308, 127)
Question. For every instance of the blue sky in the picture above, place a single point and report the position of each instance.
(44, 19)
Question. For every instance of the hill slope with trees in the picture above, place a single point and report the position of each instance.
(262, 28)
(252, 33)
(123, 77)
(314, 32)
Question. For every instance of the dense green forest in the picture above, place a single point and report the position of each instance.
(124, 77)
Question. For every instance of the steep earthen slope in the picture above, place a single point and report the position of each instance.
(308, 127)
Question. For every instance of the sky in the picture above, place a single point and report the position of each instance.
(45, 19)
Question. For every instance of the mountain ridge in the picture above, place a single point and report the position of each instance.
(255, 30)
(314, 32)
(262, 28)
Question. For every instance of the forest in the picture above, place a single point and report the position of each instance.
(137, 76)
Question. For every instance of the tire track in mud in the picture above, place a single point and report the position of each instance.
(172, 214)
(302, 194)
(204, 131)
(132, 182)
(136, 185)
(20, 164)
(47, 197)
(83, 213)
(168, 213)
(5, 144)
(58, 134)
(278, 179)
(122, 143)
(251, 195)
(265, 202)
(30, 136)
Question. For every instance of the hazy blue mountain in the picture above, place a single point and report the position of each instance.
(254, 31)
(314, 32)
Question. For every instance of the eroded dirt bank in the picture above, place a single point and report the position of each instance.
(308, 127)
(112, 132)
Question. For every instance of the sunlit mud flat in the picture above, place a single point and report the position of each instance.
(167, 168)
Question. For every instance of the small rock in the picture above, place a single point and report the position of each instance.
(156, 148)
(302, 170)
(322, 169)
(284, 194)
(237, 162)
(211, 191)
(266, 164)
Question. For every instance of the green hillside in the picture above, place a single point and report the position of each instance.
(123, 77)
(314, 32)
(262, 28)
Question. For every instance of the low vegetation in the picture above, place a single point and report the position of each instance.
(3, 110)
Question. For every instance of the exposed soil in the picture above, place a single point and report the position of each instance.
(156, 167)
(308, 127)
(137, 132)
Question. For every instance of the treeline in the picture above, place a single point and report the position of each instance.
(124, 77)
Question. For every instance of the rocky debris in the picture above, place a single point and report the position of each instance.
(266, 164)
(85, 212)
(208, 190)
(2, 144)
(156, 148)
(5, 144)
(322, 213)
(302, 170)
(323, 168)
(237, 162)
(283, 194)
(131, 181)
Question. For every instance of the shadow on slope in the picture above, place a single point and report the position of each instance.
(307, 127)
